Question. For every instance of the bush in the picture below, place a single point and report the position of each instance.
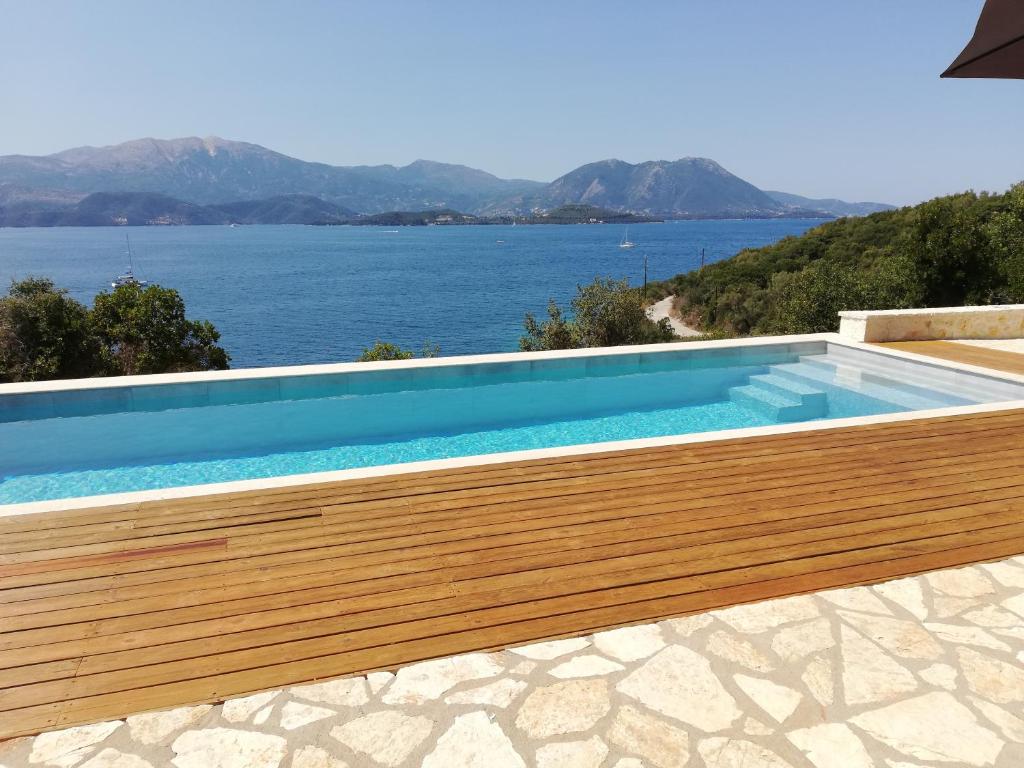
(605, 313)
(383, 350)
(144, 330)
(45, 334)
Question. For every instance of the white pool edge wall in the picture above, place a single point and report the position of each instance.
(295, 480)
(994, 321)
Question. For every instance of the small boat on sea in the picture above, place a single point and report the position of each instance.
(626, 242)
(128, 278)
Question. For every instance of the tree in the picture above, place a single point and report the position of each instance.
(44, 334)
(605, 313)
(809, 301)
(948, 245)
(553, 333)
(384, 350)
(1006, 234)
(144, 330)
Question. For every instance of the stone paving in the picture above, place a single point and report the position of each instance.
(927, 671)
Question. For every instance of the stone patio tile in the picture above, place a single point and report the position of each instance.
(154, 727)
(551, 650)
(315, 757)
(499, 694)
(387, 737)
(760, 617)
(239, 710)
(679, 683)
(350, 692)
(67, 747)
(589, 665)
(777, 700)
(630, 643)
(228, 748)
(728, 646)
(907, 594)
(933, 727)
(901, 637)
(870, 674)
(651, 738)
(961, 582)
(991, 678)
(428, 680)
(473, 741)
(801, 640)
(111, 758)
(570, 707)
(735, 753)
(831, 745)
(573, 754)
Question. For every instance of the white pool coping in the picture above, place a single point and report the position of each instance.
(289, 481)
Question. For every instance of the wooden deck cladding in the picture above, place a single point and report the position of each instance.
(110, 611)
(996, 359)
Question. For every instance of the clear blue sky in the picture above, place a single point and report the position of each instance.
(817, 97)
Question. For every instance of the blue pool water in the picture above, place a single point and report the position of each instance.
(623, 426)
(86, 442)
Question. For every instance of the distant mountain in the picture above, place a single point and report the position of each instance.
(830, 206)
(214, 180)
(693, 187)
(145, 208)
(215, 171)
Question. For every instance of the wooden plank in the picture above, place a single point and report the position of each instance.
(619, 516)
(699, 553)
(984, 357)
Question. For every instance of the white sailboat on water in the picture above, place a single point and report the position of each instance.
(128, 278)
(626, 242)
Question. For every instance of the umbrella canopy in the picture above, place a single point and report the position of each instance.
(997, 48)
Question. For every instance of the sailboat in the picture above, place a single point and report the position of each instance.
(626, 242)
(128, 278)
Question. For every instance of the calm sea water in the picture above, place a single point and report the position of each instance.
(294, 295)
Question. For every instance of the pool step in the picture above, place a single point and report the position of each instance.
(923, 380)
(780, 399)
(820, 371)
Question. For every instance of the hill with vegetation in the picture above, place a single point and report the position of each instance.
(147, 208)
(961, 249)
(583, 214)
(414, 218)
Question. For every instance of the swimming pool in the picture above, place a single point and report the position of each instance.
(75, 439)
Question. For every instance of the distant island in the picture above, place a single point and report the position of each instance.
(564, 214)
(216, 181)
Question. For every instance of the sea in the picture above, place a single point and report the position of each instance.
(292, 295)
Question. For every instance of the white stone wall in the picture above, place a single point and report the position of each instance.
(1000, 321)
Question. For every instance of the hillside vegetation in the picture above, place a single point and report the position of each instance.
(958, 250)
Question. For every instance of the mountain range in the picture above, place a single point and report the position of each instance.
(213, 180)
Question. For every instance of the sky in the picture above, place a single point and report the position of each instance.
(823, 98)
